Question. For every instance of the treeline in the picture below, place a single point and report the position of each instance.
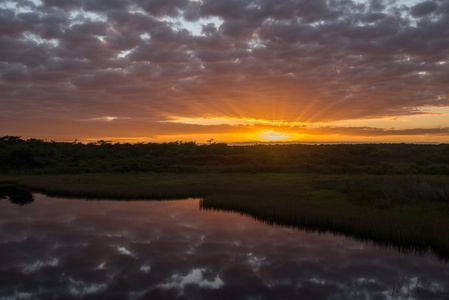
(34, 156)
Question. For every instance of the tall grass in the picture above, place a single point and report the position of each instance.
(390, 190)
(404, 232)
(115, 186)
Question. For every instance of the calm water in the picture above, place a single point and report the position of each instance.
(56, 248)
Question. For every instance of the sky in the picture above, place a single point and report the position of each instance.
(227, 70)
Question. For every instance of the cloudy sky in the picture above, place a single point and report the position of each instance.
(232, 70)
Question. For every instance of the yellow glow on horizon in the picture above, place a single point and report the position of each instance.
(272, 136)
(253, 138)
(423, 124)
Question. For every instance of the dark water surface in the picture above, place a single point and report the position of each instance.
(56, 248)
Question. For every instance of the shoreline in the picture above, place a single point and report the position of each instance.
(342, 204)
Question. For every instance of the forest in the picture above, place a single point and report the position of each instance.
(34, 156)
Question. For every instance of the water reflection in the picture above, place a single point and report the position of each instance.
(72, 249)
(411, 246)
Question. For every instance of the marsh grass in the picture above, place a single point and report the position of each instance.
(404, 232)
(115, 186)
(417, 194)
(409, 212)
(400, 188)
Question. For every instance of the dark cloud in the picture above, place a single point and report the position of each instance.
(159, 8)
(370, 131)
(377, 5)
(295, 60)
(65, 4)
(423, 8)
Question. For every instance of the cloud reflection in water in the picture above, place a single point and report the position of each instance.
(71, 249)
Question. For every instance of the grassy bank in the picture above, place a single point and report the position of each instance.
(409, 212)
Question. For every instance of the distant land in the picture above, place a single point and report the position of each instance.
(34, 156)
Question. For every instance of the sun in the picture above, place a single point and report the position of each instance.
(272, 136)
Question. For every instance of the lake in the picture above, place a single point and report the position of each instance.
(56, 248)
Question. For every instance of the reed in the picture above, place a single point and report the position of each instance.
(403, 232)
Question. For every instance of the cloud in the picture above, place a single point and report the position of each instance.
(54, 262)
(195, 277)
(80, 288)
(145, 268)
(18, 295)
(124, 251)
(306, 61)
(423, 8)
(373, 131)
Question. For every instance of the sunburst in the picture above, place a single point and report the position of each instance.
(272, 136)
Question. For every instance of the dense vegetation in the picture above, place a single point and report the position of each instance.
(42, 157)
(15, 195)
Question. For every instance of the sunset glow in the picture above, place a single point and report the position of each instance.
(272, 136)
(234, 71)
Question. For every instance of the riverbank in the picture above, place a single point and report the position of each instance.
(409, 212)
